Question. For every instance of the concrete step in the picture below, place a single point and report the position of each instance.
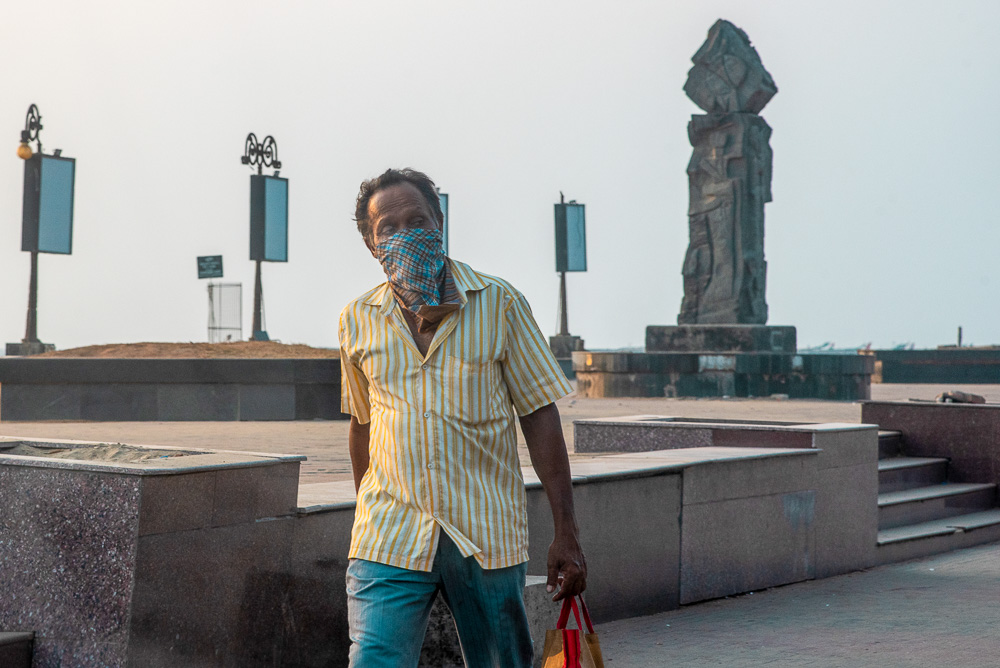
(943, 535)
(889, 443)
(923, 504)
(16, 649)
(898, 473)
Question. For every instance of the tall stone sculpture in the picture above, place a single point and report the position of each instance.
(722, 345)
(730, 181)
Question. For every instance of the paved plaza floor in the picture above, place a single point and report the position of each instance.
(938, 611)
(325, 442)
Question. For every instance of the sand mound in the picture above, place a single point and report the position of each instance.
(234, 349)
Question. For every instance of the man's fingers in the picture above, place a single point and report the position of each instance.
(553, 578)
(574, 582)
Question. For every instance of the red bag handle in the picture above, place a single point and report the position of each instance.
(570, 604)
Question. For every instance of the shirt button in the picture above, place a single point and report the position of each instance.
(427, 415)
(435, 515)
(430, 466)
(424, 367)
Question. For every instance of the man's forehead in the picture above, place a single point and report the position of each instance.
(395, 197)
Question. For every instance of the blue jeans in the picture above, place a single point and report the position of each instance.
(388, 609)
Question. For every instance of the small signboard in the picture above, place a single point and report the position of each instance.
(209, 266)
(47, 217)
(571, 237)
(268, 218)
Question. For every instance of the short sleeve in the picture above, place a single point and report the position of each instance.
(353, 382)
(531, 371)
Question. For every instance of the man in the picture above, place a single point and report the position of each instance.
(436, 361)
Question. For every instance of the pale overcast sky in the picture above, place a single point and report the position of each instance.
(884, 224)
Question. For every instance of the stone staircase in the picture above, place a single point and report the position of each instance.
(921, 512)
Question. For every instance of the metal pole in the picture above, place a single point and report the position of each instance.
(563, 317)
(258, 294)
(959, 337)
(31, 331)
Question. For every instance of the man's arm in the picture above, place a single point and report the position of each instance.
(357, 445)
(543, 434)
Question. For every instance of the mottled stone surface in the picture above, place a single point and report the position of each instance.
(563, 346)
(67, 562)
(968, 434)
(614, 512)
(729, 177)
(728, 74)
(720, 338)
(745, 544)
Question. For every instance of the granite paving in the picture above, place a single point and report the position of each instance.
(937, 611)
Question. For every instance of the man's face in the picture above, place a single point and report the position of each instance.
(397, 208)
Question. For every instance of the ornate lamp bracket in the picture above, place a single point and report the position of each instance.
(261, 154)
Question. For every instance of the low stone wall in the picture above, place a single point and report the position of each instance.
(130, 390)
(211, 559)
(694, 374)
(831, 496)
(943, 365)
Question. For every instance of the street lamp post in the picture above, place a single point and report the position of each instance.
(46, 219)
(571, 255)
(443, 199)
(268, 218)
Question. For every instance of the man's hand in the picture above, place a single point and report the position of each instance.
(543, 434)
(567, 568)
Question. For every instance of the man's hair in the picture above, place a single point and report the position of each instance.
(392, 177)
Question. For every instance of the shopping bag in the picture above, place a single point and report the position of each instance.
(572, 648)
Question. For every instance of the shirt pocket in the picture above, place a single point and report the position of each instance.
(471, 389)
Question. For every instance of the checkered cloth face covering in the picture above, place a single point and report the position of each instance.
(414, 263)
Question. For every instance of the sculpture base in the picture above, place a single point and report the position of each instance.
(563, 346)
(720, 338)
(739, 374)
(26, 348)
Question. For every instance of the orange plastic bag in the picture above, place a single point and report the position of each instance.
(572, 648)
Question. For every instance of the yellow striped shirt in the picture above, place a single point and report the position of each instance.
(443, 446)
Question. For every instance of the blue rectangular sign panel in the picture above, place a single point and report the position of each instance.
(268, 218)
(571, 237)
(47, 221)
(443, 197)
(576, 238)
(276, 220)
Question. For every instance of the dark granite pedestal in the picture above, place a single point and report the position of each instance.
(26, 348)
(720, 338)
(722, 361)
(841, 377)
(563, 346)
